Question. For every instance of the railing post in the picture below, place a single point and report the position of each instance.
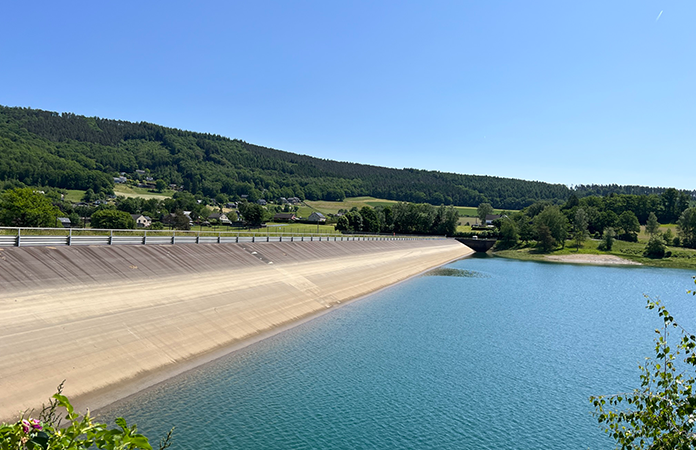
(144, 237)
(19, 237)
(198, 238)
(237, 240)
(70, 236)
(111, 237)
(173, 236)
(219, 237)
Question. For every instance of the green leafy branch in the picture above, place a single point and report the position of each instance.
(659, 415)
(79, 432)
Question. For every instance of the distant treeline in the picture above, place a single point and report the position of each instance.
(43, 148)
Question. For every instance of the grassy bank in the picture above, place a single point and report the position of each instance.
(681, 258)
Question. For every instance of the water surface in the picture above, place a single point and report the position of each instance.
(502, 356)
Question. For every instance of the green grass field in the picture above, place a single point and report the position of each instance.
(643, 236)
(130, 191)
(74, 195)
(326, 207)
(682, 258)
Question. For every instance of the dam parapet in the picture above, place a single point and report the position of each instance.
(44, 237)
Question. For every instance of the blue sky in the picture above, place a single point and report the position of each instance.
(564, 92)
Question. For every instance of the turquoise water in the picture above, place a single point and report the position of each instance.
(503, 359)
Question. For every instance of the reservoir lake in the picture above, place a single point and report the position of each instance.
(503, 356)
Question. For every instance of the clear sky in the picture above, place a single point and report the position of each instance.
(567, 92)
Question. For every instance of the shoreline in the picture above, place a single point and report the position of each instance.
(119, 394)
(586, 259)
(116, 321)
(597, 260)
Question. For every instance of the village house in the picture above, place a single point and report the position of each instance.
(141, 221)
(221, 218)
(64, 222)
(284, 217)
(491, 217)
(316, 217)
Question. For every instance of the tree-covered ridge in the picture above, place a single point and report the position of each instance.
(76, 152)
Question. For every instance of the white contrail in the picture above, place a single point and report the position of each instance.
(658, 16)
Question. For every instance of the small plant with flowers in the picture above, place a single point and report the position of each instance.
(78, 432)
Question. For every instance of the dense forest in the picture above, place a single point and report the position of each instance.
(64, 150)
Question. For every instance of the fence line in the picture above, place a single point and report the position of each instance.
(44, 237)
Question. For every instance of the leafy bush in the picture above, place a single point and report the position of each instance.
(655, 248)
(79, 433)
(111, 218)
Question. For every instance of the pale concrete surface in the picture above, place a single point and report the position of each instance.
(114, 320)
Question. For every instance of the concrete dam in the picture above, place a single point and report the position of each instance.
(112, 320)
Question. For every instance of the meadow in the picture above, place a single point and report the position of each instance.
(680, 258)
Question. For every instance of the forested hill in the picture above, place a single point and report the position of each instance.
(44, 148)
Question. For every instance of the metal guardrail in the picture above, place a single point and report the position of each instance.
(48, 237)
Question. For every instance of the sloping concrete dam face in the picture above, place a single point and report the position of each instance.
(114, 320)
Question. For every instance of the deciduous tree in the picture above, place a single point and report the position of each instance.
(556, 222)
(446, 220)
(252, 213)
(160, 185)
(370, 219)
(113, 219)
(483, 210)
(629, 226)
(508, 234)
(652, 225)
(607, 241)
(687, 228)
(545, 240)
(580, 224)
(22, 207)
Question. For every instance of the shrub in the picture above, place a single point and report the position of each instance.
(655, 248)
(79, 433)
